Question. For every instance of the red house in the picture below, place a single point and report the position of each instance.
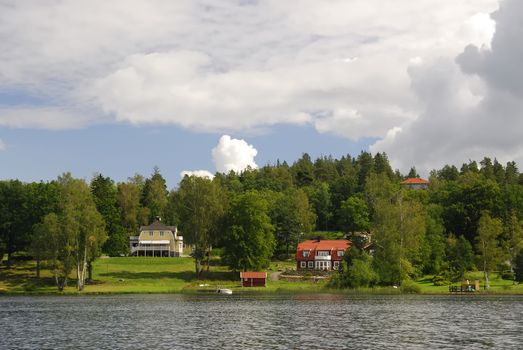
(253, 279)
(415, 183)
(319, 254)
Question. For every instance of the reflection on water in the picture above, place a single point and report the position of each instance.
(322, 321)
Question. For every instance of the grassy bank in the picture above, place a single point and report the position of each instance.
(165, 275)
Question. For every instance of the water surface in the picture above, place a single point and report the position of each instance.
(322, 321)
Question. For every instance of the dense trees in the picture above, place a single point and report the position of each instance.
(470, 217)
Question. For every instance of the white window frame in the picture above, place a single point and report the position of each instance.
(151, 233)
(161, 233)
(310, 265)
(305, 253)
(341, 253)
(322, 253)
(335, 264)
(303, 264)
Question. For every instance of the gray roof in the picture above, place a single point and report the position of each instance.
(158, 226)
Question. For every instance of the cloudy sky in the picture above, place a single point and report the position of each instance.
(198, 86)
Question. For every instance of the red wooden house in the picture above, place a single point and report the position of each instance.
(319, 254)
(253, 279)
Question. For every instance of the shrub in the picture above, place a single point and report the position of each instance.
(508, 275)
(409, 287)
(440, 280)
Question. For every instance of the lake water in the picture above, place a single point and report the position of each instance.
(322, 321)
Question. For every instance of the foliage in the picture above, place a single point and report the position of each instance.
(410, 287)
(249, 242)
(519, 267)
(357, 270)
(487, 244)
(460, 256)
(200, 206)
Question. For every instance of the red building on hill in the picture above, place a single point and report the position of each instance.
(319, 254)
(415, 183)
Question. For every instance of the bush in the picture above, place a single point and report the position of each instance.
(508, 275)
(409, 287)
(440, 280)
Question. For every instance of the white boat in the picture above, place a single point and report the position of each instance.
(224, 291)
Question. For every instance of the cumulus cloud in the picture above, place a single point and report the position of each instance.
(233, 154)
(269, 62)
(198, 173)
(472, 105)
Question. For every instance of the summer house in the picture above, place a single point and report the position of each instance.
(157, 239)
(321, 254)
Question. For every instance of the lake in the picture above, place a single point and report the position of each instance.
(271, 321)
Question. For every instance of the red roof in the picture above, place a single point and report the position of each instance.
(249, 274)
(314, 244)
(415, 181)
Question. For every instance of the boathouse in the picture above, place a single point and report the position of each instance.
(253, 279)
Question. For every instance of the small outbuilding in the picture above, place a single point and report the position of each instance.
(253, 279)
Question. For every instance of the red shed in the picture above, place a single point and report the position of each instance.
(253, 279)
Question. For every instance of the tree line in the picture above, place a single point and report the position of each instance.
(469, 217)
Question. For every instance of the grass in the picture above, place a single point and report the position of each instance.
(176, 275)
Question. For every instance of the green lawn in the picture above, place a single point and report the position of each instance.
(176, 275)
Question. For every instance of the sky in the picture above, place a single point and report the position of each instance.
(199, 86)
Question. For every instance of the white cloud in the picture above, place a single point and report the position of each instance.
(3, 146)
(233, 154)
(472, 106)
(198, 173)
(269, 62)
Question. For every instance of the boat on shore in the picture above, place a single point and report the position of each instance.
(224, 291)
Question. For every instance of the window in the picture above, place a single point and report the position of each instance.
(161, 233)
(323, 253)
(151, 233)
(303, 264)
(305, 253)
(336, 265)
(340, 252)
(311, 264)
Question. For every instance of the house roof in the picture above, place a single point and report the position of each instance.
(250, 274)
(415, 181)
(158, 225)
(314, 244)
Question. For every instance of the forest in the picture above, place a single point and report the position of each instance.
(469, 218)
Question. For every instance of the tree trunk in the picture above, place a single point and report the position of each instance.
(487, 282)
(89, 271)
(198, 265)
(37, 267)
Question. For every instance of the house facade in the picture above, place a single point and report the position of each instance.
(415, 183)
(319, 254)
(156, 239)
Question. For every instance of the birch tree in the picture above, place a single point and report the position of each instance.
(487, 244)
(200, 205)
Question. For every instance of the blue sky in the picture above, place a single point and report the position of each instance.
(120, 151)
(119, 87)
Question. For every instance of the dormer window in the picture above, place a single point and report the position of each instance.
(341, 252)
(305, 253)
